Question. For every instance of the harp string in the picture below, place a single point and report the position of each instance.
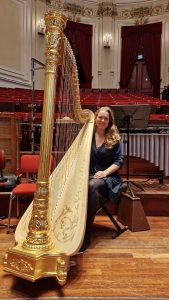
(65, 127)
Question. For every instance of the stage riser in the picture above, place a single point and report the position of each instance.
(154, 204)
(140, 167)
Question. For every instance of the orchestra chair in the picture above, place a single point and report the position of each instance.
(28, 175)
(7, 183)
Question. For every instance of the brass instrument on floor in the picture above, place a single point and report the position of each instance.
(52, 228)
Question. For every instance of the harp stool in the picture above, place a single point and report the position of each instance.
(104, 203)
(105, 206)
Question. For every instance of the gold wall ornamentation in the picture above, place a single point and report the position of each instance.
(73, 11)
(140, 15)
(157, 10)
(141, 12)
(167, 8)
(74, 18)
(107, 9)
(73, 8)
(126, 14)
(141, 21)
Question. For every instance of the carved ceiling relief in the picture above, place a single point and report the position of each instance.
(142, 13)
(106, 9)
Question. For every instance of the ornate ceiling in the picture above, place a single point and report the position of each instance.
(88, 3)
(123, 9)
(94, 3)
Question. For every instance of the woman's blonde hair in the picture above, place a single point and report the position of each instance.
(112, 133)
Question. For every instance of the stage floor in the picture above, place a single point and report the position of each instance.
(133, 266)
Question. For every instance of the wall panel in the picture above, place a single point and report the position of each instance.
(15, 49)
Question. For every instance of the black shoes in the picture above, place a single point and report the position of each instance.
(85, 245)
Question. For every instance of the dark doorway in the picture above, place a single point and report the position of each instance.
(140, 81)
(149, 36)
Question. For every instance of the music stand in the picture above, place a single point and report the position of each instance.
(131, 117)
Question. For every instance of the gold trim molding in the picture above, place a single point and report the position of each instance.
(76, 11)
(107, 9)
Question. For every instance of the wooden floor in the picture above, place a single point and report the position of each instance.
(133, 266)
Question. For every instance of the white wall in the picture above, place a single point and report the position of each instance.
(15, 46)
(38, 42)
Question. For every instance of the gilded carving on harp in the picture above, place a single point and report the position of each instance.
(52, 228)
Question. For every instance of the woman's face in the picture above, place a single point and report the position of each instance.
(102, 120)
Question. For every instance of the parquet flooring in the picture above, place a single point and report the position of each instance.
(133, 266)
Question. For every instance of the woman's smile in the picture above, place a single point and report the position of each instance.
(102, 120)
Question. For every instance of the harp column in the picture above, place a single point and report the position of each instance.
(36, 257)
(38, 237)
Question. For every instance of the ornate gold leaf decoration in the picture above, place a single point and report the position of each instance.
(21, 265)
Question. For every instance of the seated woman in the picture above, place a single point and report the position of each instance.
(105, 161)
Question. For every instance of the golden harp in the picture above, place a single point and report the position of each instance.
(52, 228)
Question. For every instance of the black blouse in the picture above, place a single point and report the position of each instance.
(102, 158)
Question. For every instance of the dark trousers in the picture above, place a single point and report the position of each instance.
(96, 188)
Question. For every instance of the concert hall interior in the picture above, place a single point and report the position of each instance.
(61, 60)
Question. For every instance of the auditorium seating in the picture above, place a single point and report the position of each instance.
(158, 119)
(20, 100)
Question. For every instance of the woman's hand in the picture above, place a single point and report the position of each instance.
(99, 174)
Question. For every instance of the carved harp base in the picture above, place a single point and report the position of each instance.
(35, 265)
